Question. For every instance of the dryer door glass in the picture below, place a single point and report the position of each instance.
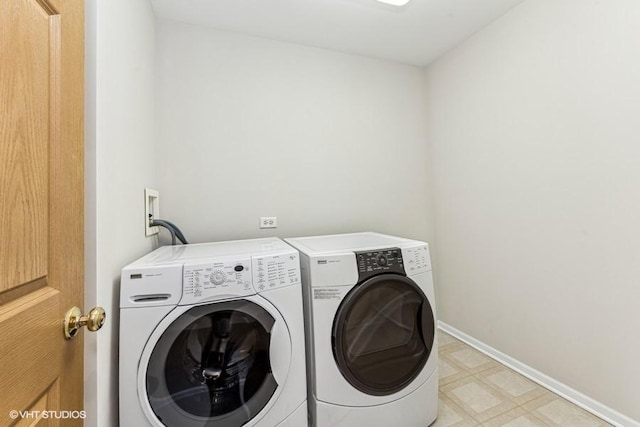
(383, 334)
(211, 366)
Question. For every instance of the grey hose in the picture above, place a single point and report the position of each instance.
(161, 223)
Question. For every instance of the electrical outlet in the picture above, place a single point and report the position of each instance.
(268, 222)
(151, 210)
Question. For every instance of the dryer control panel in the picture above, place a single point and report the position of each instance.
(417, 259)
(371, 263)
(220, 278)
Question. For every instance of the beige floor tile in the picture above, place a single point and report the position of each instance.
(477, 399)
(557, 411)
(450, 415)
(449, 371)
(449, 368)
(470, 359)
(444, 339)
(514, 385)
(451, 346)
(517, 417)
(476, 390)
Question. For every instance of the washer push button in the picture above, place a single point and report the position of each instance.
(218, 277)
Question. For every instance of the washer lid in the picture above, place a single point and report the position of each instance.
(171, 254)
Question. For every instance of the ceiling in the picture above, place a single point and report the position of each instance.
(413, 34)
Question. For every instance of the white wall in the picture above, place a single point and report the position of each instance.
(120, 162)
(535, 135)
(249, 127)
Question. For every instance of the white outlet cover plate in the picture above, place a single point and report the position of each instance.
(268, 222)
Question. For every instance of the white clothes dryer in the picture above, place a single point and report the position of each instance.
(370, 321)
(212, 335)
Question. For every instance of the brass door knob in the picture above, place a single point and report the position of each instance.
(74, 320)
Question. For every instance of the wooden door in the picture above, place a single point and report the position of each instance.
(41, 209)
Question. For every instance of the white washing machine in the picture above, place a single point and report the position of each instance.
(212, 335)
(370, 321)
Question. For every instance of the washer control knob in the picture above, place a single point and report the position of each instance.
(218, 277)
(382, 260)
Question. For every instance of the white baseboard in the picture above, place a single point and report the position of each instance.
(585, 402)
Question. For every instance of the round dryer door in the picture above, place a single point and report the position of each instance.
(211, 366)
(383, 334)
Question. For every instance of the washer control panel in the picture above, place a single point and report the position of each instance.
(276, 271)
(371, 263)
(216, 279)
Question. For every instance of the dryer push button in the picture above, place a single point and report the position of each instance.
(371, 263)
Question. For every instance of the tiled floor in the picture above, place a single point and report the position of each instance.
(475, 390)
